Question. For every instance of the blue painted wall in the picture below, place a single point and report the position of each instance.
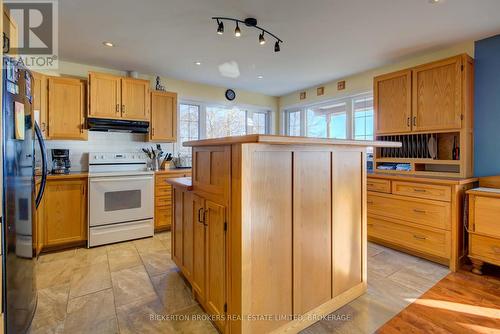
(487, 107)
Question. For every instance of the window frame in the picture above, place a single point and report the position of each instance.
(202, 116)
(349, 101)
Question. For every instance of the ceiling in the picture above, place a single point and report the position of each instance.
(323, 39)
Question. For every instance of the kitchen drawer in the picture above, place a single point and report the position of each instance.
(419, 211)
(485, 215)
(163, 200)
(378, 185)
(485, 247)
(163, 191)
(422, 190)
(433, 242)
(163, 217)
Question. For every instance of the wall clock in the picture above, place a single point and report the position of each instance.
(230, 94)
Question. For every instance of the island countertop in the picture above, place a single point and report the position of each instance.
(288, 140)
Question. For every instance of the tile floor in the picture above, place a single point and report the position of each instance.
(115, 289)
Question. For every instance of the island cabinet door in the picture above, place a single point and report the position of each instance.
(347, 208)
(215, 224)
(177, 225)
(187, 234)
(198, 281)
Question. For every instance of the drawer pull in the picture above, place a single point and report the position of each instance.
(419, 237)
(419, 190)
(419, 211)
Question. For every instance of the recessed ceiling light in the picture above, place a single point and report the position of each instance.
(109, 44)
(260, 77)
(433, 1)
(197, 63)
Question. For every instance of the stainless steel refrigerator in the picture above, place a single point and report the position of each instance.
(21, 144)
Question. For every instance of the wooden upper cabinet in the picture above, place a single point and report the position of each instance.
(135, 99)
(40, 107)
(163, 116)
(392, 96)
(437, 95)
(66, 108)
(105, 96)
(11, 32)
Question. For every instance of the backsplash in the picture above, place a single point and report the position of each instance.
(102, 142)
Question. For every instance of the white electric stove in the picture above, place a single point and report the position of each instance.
(121, 198)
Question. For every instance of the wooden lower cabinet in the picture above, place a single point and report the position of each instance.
(163, 197)
(64, 213)
(484, 228)
(199, 249)
(254, 238)
(421, 216)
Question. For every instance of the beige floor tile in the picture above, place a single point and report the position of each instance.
(157, 262)
(193, 325)
(88, 256)
(89, 279)
(142, 317)
(148, 245)
(52, 273)
(130, 285)
(123, 257)
(173, 291)
(374, 249)
(51, 310)
(388, 262)
(56, 256)
(93, 313)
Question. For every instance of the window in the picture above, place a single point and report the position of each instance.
(225, 122)
(293, 122)
(349, 118)
(198, 121)
(189, 125)
(363, 118)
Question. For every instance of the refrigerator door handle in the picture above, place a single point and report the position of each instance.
(44, 165)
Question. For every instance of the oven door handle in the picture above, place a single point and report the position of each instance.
(131, 178)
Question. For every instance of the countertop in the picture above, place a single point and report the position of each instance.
(287, 140)
(430, 179)
(182, 182)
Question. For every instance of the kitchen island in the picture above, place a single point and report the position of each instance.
(271, 232)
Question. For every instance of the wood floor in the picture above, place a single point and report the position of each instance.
(461, 302)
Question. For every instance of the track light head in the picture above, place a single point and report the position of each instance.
(237, 31)
(262, 40)
(277, 46)
(220, 28)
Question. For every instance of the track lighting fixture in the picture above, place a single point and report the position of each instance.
(262, 40)
(251, 23)
(220, 28)
(237, 31)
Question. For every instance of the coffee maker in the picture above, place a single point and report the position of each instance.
(60, 161)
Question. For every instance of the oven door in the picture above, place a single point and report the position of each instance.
(120, 199)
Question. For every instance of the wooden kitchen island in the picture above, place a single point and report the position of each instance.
(271, 232)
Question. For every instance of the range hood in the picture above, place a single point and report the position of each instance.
(117, 125)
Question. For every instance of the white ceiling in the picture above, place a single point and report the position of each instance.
(323, 39)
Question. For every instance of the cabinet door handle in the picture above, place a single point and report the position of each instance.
(419, 211)
(414, 120)
(419, 237)
(204, 217)
(123, 109)
(200, 216)
(152, 131)
(44, 127)
(117, 108)
(408, 122)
